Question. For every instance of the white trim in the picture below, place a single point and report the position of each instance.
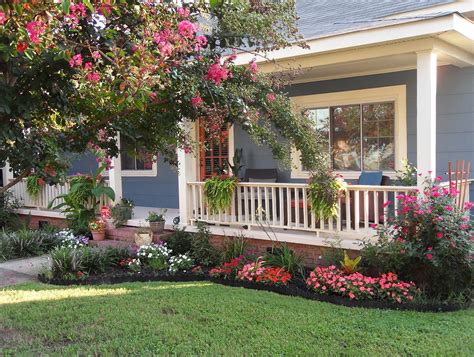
(396, 94)
(141, 173)
(384, 34)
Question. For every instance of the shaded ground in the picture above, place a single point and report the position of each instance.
(202, 318)
(19, 271)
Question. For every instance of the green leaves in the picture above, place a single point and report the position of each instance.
(219, 192)
(66, 5)
(89, 5)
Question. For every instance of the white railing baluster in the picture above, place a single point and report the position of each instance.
(274, 203)
(288, 207)
(376, 207)
(366, 209)
(239, 204)
(305, 209)
(356, 210)
(281, 213)
(385, 210)
(348, 211)
(297, 207)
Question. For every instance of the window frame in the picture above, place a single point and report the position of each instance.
(396, 94)
(138, 173)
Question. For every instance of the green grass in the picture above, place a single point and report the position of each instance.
(204, 318)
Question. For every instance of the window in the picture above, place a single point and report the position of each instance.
(364, 129)
(135, 161)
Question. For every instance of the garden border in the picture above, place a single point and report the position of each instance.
(290, 290)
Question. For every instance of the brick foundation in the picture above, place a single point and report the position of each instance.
(34, 222)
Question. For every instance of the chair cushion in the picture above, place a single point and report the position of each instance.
(371, 178)
(269, 180)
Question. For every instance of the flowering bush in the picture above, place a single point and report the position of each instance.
(67, 239)
(181, 262)
(355, 286)
(428, 241)
(155, 255)
(97, 225)
(131, 264)
(229, 269)
(269, 275)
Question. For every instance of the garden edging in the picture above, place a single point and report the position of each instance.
(290, 290)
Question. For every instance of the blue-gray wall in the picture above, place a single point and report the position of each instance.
(455, 131)
(158, 191)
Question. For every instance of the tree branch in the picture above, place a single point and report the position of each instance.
(15, 181)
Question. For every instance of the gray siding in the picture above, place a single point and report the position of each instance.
(158, 191)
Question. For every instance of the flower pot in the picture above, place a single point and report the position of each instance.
(143, 239)
(157, 227)
(98, 235)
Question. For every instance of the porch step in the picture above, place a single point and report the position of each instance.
(127, 234)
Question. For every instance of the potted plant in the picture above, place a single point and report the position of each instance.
(157, 221)
(122, 211)
(218, 191)
(143, 236)
(97, 228)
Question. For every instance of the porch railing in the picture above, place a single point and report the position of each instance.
(46, 194)
(285, 206)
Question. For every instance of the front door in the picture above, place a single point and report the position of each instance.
(213, 154)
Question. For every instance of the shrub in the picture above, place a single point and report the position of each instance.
(6, 249)
(25, 243)
(180, 262)
(8, 205)
(256, 272)
(355, 286)
(202, 250)
(180, 242)
(122, 211)
(228, 270)
(155, 256)
(234, 247)
(67, 263)
(284, 257)
(428, 242)
(324, 189)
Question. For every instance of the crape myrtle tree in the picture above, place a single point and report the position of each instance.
(76, 73)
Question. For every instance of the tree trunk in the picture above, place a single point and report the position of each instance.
(14, 181)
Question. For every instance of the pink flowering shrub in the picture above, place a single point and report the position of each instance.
(355, 286)
(427, 241)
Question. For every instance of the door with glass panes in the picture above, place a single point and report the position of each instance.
(214, 153)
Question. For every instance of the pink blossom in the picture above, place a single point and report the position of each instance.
(196, 101)
(3, 18)
(93, 77)
(201, 41)
(448, 208)
(271, 97)
(429, 256)
(386, 203)
(35, 29)
(183, 12)
(88, 66)
(78, 9)
(217, 73)
(76, 60)
(440, 235)
(166, 49)
(463, 226)
(373, 225)
(186, 29)
(253, 66)
(96, 55)
(351, 295)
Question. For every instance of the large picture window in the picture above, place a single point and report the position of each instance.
(359, 136)
(365, 130)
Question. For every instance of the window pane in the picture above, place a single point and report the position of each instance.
(133, 159)
(346, 137)
(378, 120)
(320, 119)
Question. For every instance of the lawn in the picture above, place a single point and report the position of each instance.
(204, 318)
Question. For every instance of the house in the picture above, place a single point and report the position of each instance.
(383, 80)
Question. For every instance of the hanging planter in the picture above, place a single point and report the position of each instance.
(219, 191)
(323, 194)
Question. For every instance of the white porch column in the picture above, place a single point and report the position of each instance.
(7, 174)
(115, 175)
(187, 166)
(426, 67)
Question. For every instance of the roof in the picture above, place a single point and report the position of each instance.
(320, 18)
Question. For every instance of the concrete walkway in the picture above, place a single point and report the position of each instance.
(21, 270)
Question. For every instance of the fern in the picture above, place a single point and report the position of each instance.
(219, 191)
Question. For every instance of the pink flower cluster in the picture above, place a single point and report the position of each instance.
(35, 29)
(3, 18)
(256, 272)
(76, 11)
(356, 286)
(187, 29)
(217, 73)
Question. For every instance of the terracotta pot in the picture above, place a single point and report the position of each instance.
(157, 227)
(143, 239)
(98, 235)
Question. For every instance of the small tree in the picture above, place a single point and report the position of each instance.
(79, 72)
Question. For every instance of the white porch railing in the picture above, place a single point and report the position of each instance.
(285, 206)
(45, 196)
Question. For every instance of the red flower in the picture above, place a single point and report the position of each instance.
(21, 47)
